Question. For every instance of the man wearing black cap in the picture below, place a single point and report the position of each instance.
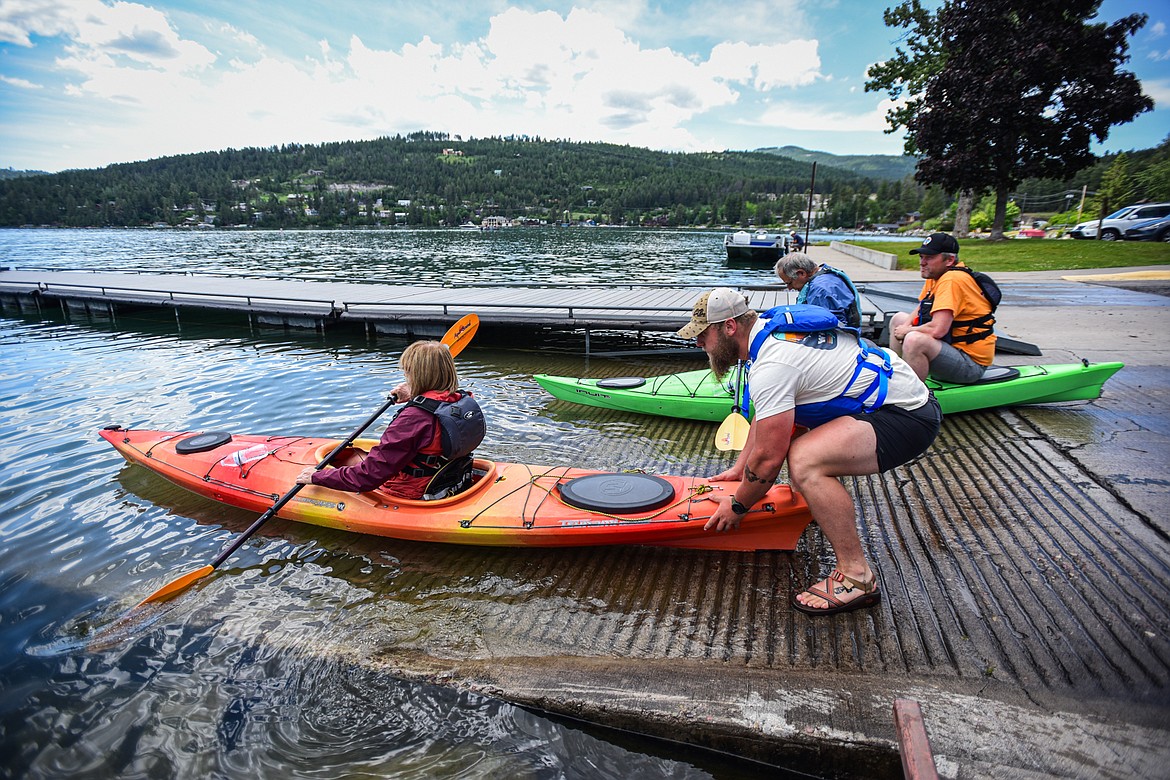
(950, 335)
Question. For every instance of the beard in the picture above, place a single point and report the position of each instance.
(724, 354)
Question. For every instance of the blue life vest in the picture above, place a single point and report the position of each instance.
(804, 318)
(853, 310)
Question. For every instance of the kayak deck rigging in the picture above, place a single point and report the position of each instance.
(507, 504)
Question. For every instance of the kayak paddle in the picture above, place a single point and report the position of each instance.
(456, 338)
(733, 431)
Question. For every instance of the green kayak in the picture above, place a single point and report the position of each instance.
(698, 395)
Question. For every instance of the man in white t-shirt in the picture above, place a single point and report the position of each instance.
(864, 418)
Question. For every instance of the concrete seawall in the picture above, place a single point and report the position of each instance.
(881, 259)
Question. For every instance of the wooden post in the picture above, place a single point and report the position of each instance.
(913, 744)
(808, 222)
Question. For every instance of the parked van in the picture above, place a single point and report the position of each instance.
(1113, 227)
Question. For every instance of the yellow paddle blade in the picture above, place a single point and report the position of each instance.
(732, 433)
(166, 591)
(460, 334)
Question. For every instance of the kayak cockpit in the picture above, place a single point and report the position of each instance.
(483, 474)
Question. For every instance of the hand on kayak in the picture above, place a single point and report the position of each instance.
(733, 474)
(724, 519)
(306, 476)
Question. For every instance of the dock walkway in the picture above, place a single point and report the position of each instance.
(392, 308)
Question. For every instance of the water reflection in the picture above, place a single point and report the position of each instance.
(264, 669)
(200, 701)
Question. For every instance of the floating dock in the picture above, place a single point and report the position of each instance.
(413, 310)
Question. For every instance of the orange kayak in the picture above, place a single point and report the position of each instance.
(509, 505)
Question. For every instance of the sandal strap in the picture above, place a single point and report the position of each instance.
(825, 593)
(864, 587)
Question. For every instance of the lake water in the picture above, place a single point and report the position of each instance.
(268, 668)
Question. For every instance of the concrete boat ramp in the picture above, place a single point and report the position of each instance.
(1024, 562)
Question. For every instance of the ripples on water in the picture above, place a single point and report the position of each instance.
(512, 256)
(267, 668)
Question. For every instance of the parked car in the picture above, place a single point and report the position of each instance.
(1114, 226)
(1150, 230)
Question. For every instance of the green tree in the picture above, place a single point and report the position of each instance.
(1153, 180)
(1000, 89)
(1116, 186)
(983, 216)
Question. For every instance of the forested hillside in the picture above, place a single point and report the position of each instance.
(432, 179)
(886, 167)
(423, 179)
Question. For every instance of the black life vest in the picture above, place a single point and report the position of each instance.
(461, 429)
(978, 328)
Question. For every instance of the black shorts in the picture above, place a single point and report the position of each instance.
(903, 435)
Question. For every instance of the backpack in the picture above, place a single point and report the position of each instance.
(986, 284)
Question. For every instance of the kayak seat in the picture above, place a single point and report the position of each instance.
(482, 474)
(993, 374)
(454, 477)
(621, 382)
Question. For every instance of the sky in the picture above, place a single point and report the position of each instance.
(88, 83)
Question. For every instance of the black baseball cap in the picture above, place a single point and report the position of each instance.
(936, 244)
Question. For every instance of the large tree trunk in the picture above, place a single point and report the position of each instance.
(963, 209)
(1000, 214)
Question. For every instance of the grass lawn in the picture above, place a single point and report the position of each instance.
(1038, 254)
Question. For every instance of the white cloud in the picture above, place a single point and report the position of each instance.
(810, 117)
(22, 19)
(21, 83)
(1159, 90)
(766, 67)
(1157, 29)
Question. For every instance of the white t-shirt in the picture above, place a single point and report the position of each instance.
(806, 368)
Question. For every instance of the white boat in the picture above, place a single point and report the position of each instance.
(760, 246)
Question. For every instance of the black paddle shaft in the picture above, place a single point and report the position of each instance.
(280, 502)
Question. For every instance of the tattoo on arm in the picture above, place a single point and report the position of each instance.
(752, 476)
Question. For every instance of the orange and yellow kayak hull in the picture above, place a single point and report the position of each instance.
(510, 505)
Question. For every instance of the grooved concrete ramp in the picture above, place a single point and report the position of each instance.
(1025, 565)
(1026, 606)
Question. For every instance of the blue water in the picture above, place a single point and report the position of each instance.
(271, 668)
(512, 256)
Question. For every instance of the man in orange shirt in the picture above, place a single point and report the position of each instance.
(950, 336)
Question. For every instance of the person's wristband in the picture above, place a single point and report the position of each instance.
(737, 507)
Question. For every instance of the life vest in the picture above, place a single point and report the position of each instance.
(853, 310)
(978, 328)
(817, 320)
(447, 459)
